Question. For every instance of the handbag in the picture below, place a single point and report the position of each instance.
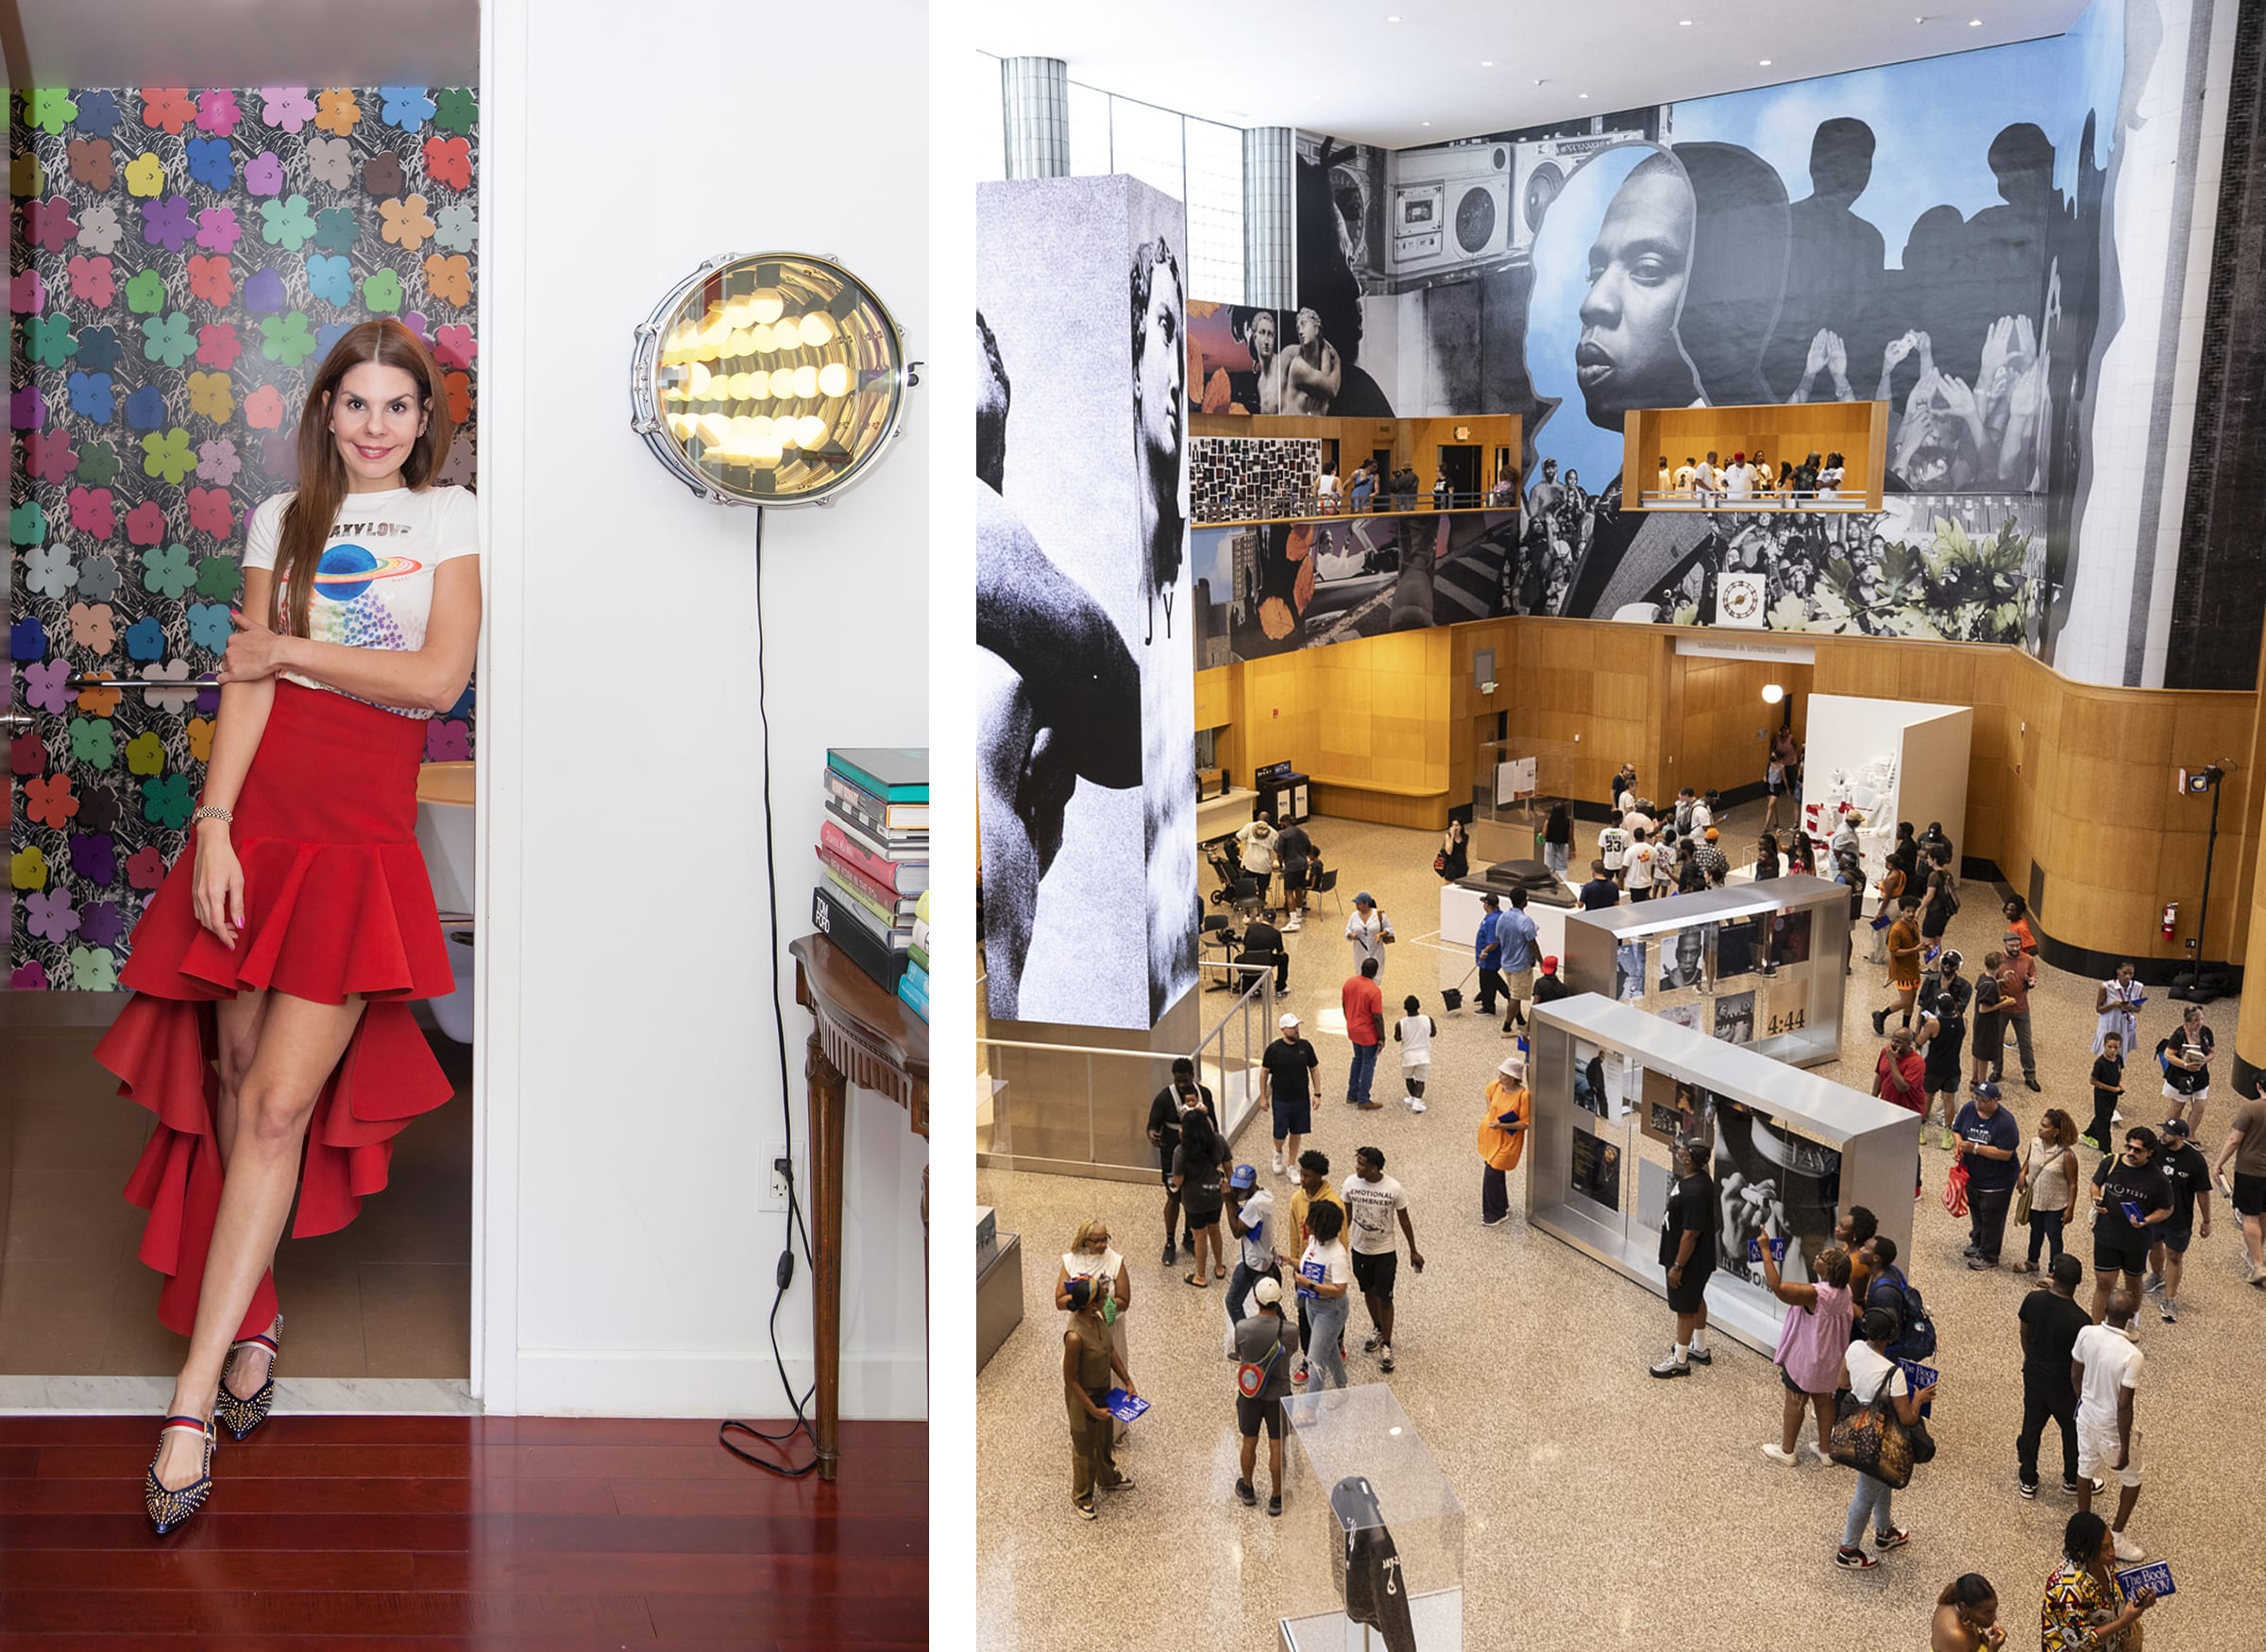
(1954, 1190)
(1869, 1437)
(1251, 1380)
(1440, 861)
(2022, 1205)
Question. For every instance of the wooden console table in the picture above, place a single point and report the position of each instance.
(870, 1038)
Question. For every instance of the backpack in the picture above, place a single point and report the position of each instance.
(1915, 1337)
(1684, 819)
(1987, 991)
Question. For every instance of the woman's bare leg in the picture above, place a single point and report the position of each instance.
(239, 1020)
(299, 1043)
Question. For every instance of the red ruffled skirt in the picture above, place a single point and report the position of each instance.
(337, 902)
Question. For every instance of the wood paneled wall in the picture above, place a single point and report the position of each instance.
(1858, 430)
(2073, 778)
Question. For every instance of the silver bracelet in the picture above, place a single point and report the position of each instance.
(211, 812)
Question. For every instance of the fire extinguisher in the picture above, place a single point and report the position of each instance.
(2171, 918)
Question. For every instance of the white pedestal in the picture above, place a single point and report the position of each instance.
(1460, 913)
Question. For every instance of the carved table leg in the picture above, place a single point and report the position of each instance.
(828, 1106)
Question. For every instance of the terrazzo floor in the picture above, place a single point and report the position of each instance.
(1603, 1508)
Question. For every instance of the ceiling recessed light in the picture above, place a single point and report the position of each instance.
(1765, 62)
(1392, 20)
(1683, 23)
(1425, 123)
(1974, 22)
(1580, 94)
(1486, 62)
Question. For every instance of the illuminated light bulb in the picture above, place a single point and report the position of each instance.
(682, 426)
(759, 387)
(716, 429)
(812, 429)
(739, 344)
(817, 328)
(767, 307)
(742, 386)
(696, 381)
(743, 437)
(759, 339)
(787, 431)
(806, 382)
(834, 379)
(783, 382)
(738, 313)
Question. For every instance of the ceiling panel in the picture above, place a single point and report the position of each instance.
(1456, 67)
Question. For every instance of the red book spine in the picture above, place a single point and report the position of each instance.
(844, 848)
(881, 892)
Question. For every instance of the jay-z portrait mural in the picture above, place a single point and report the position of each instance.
(1953, 236)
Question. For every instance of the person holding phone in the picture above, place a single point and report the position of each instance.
(2130, 1205)
(1324, 1272)
(2085, 1609)
(1873, 1375)
(1812, 1343)
(2104, 1367)
(2186, 1059)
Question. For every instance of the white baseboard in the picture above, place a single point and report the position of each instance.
(580, 1382)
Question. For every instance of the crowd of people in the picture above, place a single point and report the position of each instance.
(1857, 1349)
(1748, 482)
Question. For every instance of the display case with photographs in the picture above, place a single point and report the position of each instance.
(1382, 1525)
(1615, 1087)
(1761, 964)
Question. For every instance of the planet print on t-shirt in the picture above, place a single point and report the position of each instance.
(347, 570)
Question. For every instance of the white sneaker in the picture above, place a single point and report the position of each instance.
(1811, 1447)
(1785, 1459)
(2128, 1550)
(1415, 1105)
(1279, 1164)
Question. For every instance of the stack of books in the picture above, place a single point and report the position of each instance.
(914, 988)
(873, 859)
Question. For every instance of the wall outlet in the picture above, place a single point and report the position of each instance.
(774, 1180)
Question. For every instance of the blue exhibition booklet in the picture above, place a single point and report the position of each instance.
(2155, 1575)
(1778, 1250)
(2133, 1213)
(1122, 1405)
(1919, 1376)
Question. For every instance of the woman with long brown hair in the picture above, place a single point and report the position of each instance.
(285, 947)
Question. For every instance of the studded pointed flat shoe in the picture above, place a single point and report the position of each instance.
(169, 1508)
(239, 1415)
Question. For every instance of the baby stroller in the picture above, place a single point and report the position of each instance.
(1228, 866)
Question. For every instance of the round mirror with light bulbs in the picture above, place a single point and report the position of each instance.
(777, 379)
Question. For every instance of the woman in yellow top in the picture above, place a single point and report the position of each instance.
(1503, 1137)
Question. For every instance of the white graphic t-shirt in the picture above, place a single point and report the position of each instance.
(374, 587)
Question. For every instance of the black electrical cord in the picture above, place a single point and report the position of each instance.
(785, 1272)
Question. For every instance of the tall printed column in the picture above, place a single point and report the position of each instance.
(1086, 668)
(1270, 218)
(1034, 100)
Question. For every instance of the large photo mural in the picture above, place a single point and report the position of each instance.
(179, 263)
(1938, 235)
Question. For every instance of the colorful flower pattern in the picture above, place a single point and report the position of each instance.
(182, 257)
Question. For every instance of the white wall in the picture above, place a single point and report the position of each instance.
(1932, 782)
(629, 1078)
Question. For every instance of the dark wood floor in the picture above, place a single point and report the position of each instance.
(431, 1533)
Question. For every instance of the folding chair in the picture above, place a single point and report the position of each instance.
(1328, 884)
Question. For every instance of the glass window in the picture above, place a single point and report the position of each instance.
(1089, 132)
(1215, 211)
(1145, 142)
(987, 97)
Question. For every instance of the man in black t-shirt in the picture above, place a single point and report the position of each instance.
(1295, 852)
(2049, 1322)
(1263, 945)
(2186, 1179)
(1600, 892)
(1290, 1074)
(1165, 1132)
(1687, 1251)
(2127, 1187)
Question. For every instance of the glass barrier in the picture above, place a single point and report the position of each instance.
(1083, 1109)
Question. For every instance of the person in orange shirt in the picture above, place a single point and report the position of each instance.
(1364, 1006)
(1903, 964)
(1503, 1137)
(2018, 923)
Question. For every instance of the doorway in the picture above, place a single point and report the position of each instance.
(117, 619)
(1460, 464)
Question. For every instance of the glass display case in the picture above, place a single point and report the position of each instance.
(1387, 1530)
(1615, 1086)
(1762, 965)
